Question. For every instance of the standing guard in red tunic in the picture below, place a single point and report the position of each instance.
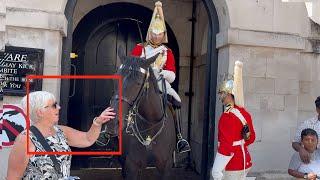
(235, 131)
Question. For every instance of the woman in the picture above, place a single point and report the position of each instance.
(44, 115)
(300, 170)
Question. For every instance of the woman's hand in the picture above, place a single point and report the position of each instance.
(105, 116)
(85, 139)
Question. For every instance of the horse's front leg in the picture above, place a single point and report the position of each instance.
(130, 170)
(164, 169)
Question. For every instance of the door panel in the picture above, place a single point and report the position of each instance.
(103, 47)
(99, 58)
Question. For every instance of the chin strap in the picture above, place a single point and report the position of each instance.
(228, 107)
(154, 45)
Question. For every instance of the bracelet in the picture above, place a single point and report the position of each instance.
(95, 122)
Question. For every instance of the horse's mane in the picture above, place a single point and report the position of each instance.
(134, 63)
(154, 81)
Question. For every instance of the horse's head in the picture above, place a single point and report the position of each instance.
(134, 72)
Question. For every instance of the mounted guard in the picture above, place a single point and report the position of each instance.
(163, 68)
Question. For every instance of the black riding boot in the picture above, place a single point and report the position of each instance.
(182, 144)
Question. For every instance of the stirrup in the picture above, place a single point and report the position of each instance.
(183, 146)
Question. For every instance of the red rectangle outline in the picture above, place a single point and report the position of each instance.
(116, 77)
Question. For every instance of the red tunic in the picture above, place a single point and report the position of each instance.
(229, 131)
(170, 63)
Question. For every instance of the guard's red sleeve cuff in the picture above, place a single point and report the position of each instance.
(137, 50)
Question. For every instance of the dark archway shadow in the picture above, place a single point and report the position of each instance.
(116, 11)
(210, 92)
(116, 24)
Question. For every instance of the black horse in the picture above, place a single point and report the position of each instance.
(148, 126)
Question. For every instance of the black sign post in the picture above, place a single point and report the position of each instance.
(15, 64)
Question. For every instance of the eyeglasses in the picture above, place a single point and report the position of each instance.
(55, 105)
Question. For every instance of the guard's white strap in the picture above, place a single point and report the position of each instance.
(238, 143)
(241, 142)
(150, 51)
(238, 114)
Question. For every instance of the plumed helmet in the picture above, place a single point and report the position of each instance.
(234, 85)
(157, 24)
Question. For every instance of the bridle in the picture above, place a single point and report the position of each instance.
(146, 78)
(133, 113)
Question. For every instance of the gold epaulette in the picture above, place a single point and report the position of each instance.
(228, 108)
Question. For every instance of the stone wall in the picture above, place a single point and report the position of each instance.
(269, 16)
(2, 24)
(3, 152)
(38, 24)
(276, 41)
(281, 73)
(33, 24)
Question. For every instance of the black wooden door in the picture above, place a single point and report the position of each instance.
(101, 58)
(96, 40)
(98, 56)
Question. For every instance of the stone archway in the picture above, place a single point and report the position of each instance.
(96, 41)
(218, 16)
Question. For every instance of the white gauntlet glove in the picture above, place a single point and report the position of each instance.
(170, 76)
(156, 71)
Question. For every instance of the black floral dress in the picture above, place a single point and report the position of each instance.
(41, 167)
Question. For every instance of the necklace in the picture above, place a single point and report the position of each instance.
(51, 132)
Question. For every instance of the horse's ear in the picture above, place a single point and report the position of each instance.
(152, 59)
(121, 54)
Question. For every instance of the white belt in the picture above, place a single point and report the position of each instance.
(241, 143)
(238, 143)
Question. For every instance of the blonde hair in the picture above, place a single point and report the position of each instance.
(37, 100)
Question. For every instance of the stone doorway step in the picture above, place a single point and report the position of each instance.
(115, 174)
